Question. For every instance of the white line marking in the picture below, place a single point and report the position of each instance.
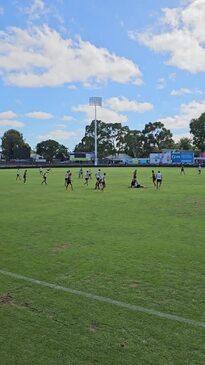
(134, 308)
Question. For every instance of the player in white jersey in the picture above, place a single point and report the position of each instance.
(69, 180)
(102, 183)
(18, 174)
(80, 173)
(87, 176)
(90, 174)
(199, 169)
(159, 179)
(98, 178)
(66, 177)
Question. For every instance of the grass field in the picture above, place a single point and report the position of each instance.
(142, 247)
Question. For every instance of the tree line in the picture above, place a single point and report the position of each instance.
(113, 138)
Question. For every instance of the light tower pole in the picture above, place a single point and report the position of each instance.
(95, 101)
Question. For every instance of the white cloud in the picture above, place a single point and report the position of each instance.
(40, 56)
(104, 114)
(184, 91)
(72, 87)
(58, 134)
(187, 112)
(181, 91)
(172, 76)
(161, 83)
(67, 118)
(36, 9)
(182, 36)
(61, 125)
(11, 123)
(8, 115)
(39, 115)
(183, 134)
(122, 104)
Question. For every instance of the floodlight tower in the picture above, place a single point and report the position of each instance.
(95, 101)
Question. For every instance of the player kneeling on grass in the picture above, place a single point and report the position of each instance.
(136, 185)
(69, 180)
(159, 179)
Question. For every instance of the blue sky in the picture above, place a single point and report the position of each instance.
(145, 58)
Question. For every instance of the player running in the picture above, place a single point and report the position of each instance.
(159, 179)
(90, 174)
(25, 176)
(80, 173)
(98, 178)
(41, 171)
(102, 183)
(69, 180)
(87, 176)
(66, 178)
(44, 179)
(182, 172)
(18, 175)
(199, 169)
(154, 178)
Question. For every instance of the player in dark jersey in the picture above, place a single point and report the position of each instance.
(134, 175)
(25, 176)
(136, 185)
(133, 183)
(69, 180)
(154, 178)
(44, 179)
(182, 172)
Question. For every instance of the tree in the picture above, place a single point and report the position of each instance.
(197, 129)
(185, 144)
(134, 143)
(22, 152)
(156, 137)
(62, 153)
(50, 149)
(110, 138)
(14, 146)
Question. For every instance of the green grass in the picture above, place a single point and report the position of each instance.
(141, 246)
